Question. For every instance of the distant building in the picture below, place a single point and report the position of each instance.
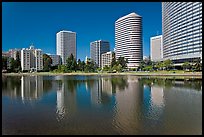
(87, 60)
(156, 48)
(66, 44)
(128, 39)
(13, 53)
(5, 54)
(145, 57)
(31, 59)
(97, 49)
(56, 59)
(106, 58)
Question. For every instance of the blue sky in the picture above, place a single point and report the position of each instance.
(24, 23)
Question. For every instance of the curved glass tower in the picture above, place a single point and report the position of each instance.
(182, 31)
(128, 39)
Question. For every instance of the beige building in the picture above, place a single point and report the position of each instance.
(31, 59)
(156, 48)
(106, 59)
(13, 53)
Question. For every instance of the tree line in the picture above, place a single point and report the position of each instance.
(119, 65)
(148, 65)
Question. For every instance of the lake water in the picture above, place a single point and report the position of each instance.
(121, 105)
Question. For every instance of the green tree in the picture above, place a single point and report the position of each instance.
(90, 67)
(62, 68)
(79, 65)
(123, 62)
(113, 62)
(18, 61)
(47, 61)
(106, 68)
(167, 64)
(198, 65)
(83, 64)
(148, 68)
(141, 65)
(12, 64)
(159, 65)
(4, 63)
(186, 65)
(71, 63)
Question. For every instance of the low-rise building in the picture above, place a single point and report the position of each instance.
(56, 59)
(87, 60)
(106, 58)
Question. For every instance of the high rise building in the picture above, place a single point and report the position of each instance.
(182, 31)
(106, 58)
(156, 48)
(66, 44)
(128, 39)
(31, 59)
(97, 48)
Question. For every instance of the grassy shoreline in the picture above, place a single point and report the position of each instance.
(161, 73)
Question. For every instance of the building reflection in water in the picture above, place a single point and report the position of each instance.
(27, 88)
(125, 104)
(95, 91)
(103, 88)
(128, 106)
(157, 96)
(66, 104)
(31, 87)
(60, 110)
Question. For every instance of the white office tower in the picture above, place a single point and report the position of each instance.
(97, 48)
(156, 48)
(182, 31)
(66, 44)
(31, 59)
(128, 39)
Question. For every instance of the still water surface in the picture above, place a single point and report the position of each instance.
(100, 105)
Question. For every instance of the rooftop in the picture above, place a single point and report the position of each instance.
(133, 14)
(66, 31)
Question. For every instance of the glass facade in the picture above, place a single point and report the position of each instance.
(97, 48)
(182, 30)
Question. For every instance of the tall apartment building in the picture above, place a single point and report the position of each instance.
(56, 59)
(66, 44)
(106, 59)
(97, 48)
(128, 39)
(156, 48)
(182, 31)
(31, 59)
